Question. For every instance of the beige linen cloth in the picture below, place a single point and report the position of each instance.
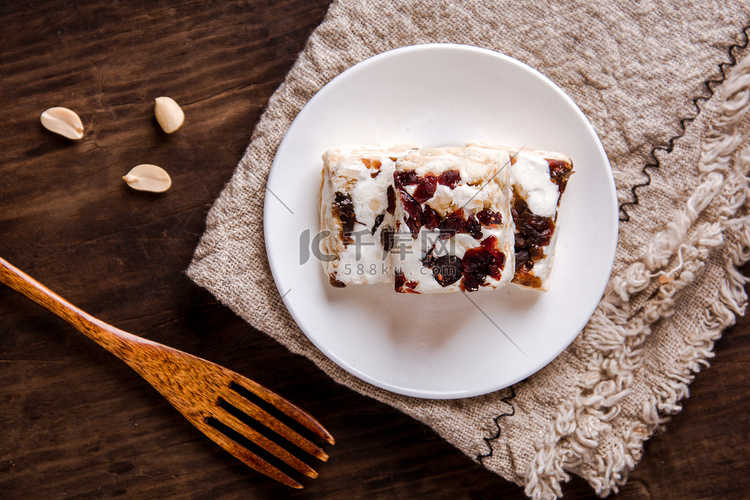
(638, 70)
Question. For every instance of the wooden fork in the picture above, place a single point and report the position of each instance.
(199, 389)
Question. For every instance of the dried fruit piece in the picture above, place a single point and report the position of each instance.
(168, 113)
(343, 207)
(446, 269)
(63, 121)
(473, 227)
(403, 178)
(453, 224)
(147, 177)
(489, 217)
(477, 264)
(425, 188)
(449, 178)
(430, 218)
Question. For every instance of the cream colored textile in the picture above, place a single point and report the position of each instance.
(635, 68)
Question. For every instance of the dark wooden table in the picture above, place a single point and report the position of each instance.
(78, 423)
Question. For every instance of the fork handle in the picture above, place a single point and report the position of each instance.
(116, 341)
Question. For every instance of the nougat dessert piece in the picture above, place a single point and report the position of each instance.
(454, 230)
(538, 180)
(357, 214)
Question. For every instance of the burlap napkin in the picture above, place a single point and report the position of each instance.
(638, 70)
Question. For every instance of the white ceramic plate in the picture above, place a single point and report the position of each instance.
(446, 345)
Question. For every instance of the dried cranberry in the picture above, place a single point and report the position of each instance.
(473, 227)
(560, 172)
(533, 229)
(489, 217)
(430, 218)
(478, 263)
(411, 284)
(402, 285)
(477, 260)
(537, 230)
(391, 194)
(411, 206)
(386, 238)
(532, 234)
(378, 222)
(496, 267)
(413, 226)
(522, 257)
(496, 270)
(425, 188)
(470, 283)
(343, 207)
(489, 242)
(453, 224)
(399, 280)
(518, 206)
(446, 269)
(449, 178)
(414, 211)
(403, 178)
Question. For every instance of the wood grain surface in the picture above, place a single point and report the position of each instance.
(78, 423)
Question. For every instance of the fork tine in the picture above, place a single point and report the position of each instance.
(248, 432)
(286, 407)
(259, 414)
(248, 457)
